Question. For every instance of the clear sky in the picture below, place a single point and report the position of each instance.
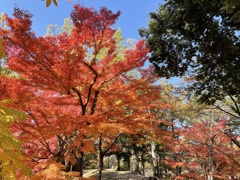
(135, 13)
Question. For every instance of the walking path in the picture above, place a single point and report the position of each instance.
(110, 174)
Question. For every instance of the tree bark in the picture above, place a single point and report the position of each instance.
(129, 163)
(100, 157)
(137, 161)
(143, 163)
(79, 165)
(100, 165)
(118, 162)
(154, 160)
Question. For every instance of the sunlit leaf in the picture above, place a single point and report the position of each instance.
(48, 2)
(55, 2)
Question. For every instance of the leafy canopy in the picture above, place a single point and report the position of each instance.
(198, 39)
(10, 148)
(77, 86)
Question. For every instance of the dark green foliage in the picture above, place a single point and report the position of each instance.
(198, 39)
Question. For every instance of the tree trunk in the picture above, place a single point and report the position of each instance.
(126, 160)
(100, 157)
(211, 166)
(143, 163)
(179, 170)
(79, 165)
(129, 163)
(100, 165)
(118, 162)
(210, 177)
(154, 160)
(137, 161)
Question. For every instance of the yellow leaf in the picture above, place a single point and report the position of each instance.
(118, 102)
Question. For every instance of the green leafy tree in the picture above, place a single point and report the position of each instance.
(200, 40)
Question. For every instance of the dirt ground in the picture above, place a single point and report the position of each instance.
(110, 174)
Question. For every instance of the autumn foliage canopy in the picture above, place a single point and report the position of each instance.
(75, 87)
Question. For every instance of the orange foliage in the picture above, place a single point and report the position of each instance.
(70, 95)
(204, 149)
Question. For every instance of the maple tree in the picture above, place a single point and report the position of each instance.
(205, 152)
(76, 88)
(171, 159)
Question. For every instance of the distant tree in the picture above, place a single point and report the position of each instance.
(205, 152)
(200, 40)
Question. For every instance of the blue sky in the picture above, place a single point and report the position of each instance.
(135, 13)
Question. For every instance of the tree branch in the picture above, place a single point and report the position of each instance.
(231, 114)
(236, 105)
